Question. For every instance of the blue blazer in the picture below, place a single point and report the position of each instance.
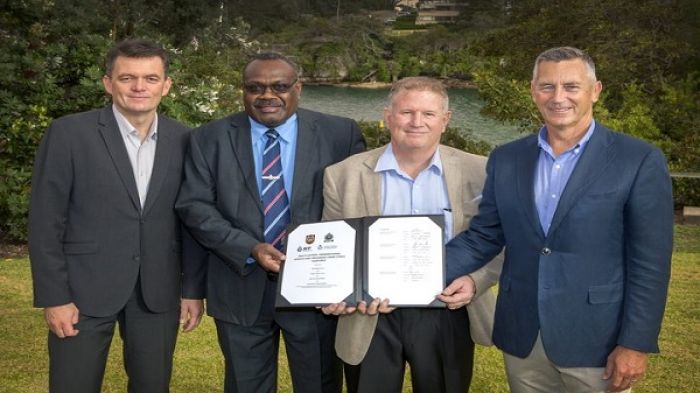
(599, 278)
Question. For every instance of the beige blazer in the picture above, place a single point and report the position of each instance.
(352, 189)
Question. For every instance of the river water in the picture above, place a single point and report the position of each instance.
(368, 103)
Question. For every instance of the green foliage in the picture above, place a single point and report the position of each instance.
(51, 65)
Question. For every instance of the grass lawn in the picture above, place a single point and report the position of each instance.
(199, 364)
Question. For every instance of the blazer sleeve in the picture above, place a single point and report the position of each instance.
(48, 208)
(648, 227)
(194, 267)
(196, 205)
(475, 247)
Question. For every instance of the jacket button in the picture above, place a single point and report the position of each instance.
(546, 251)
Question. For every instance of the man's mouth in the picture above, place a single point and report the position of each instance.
(267, 106)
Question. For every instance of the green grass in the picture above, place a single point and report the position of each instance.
(199, 364)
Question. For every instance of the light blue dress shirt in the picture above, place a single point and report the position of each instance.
(553, 173)
(142, 154)
(288, 146)
(288, 131)
(403, 195)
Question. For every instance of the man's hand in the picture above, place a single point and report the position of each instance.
(337, 309)
(625, 368)
(459, 293)
(61, 319)
(191, 312)
(268, 257)
(377, 306)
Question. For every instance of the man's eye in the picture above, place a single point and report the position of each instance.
(152, 79)
(125, 79)
(281, 87)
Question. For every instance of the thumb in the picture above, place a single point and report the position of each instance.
(451, 289)
(608, 370)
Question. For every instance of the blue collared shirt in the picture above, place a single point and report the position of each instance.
(403, 195)
(553, 173)
(288, 145)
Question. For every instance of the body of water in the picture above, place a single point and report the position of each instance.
(368, 104)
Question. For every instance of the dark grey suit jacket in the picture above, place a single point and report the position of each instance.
(220, 203)
(89, 239)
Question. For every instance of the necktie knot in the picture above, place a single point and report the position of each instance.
(272, 134)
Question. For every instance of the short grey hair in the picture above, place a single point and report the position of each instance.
(564, 53)
(420, 83)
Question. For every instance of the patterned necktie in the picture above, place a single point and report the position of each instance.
(274, 196)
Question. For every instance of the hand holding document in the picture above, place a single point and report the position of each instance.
(398, 257)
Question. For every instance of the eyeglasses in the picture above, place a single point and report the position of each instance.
(277, 88)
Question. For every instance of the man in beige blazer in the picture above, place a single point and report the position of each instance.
(413, 174)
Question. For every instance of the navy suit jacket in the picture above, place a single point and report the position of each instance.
(220, 203)
(599, 278)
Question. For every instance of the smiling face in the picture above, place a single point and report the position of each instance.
(564, 93)
(416, 119)
(137, 84)
(270, 91)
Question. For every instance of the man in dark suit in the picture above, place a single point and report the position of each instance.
(105, 243)
(227, 200)
(586, 218)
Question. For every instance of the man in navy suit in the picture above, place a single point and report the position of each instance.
(222, 201)
(586, 218)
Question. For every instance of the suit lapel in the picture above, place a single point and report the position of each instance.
(307, 152)
(160, 165)
(242, 147)
(109, 130)
(454, 193)
(371, 186)
(526, 164)
(593, 162)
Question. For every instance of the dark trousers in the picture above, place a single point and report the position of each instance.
(435, 343)
(77, 364)
(250, 353)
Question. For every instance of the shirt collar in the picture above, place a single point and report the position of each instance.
(387, 162)
(126, 129)
(576, 149)
(285, 129)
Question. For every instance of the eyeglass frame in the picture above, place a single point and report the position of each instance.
(276, 88)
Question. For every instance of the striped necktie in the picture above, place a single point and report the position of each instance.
(274, 196)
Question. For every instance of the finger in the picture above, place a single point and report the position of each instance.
(372, 308)
(190, 324)
(451, 289)
(362, 307)
(68, 329)
(350, 310)
(57, 331)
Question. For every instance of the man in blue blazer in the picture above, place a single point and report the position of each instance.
(222, 201)
(586, 218)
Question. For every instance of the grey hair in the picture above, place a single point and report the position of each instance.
(420, 83)
(563, 53)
